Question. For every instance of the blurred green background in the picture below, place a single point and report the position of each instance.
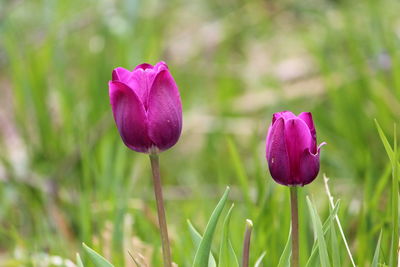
(67, 178)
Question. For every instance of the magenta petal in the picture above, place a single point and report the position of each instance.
(144, 66)
(278, 159)
(298, 138)
(309, 166)
(286, 115)
(130, 117)
(121, 74)
(164, 111)
(307, 118)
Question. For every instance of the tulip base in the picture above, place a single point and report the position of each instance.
(155, 167)
(295, 226)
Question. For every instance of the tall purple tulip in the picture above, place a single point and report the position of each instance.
(292, 152)
(293, 160)
(147, 107)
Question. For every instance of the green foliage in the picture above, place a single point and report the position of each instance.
(98, 260)
(196, 237)
(227, 255)
(284, 260)
(319, 233)
(204, 249)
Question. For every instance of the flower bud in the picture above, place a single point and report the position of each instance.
(147, 107)
(291, 151)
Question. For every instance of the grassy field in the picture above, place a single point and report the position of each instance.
(67, 178)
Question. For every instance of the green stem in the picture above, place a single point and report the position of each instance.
(155, 167)
(295, 226)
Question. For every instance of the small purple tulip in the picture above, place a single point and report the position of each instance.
(147, 107)
(292, 152)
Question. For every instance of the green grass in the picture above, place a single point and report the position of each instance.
(66, 177)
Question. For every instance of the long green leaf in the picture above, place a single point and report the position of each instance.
(385, 142)
(203, 251)
(395, 204)
(97, 259)
(375, 260)
(284, 260)
(196, 238)
(79, 262)
(327, 224)
(319, 232)
(260, 259)
(334, 242)
(393, 157)
(227, 255)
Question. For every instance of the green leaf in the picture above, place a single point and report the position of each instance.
(260, 259)
(375, 261)
(393, 157)
(97, 259)
(227, 255)
(203, 251)
(334, 242)
(284, 260)
(319, 232)
(79, 262)
(327, 225)
(385, 142)
(196, 237)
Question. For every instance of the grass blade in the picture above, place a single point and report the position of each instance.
(79, 262)
(319, 232)
(260, 259)
(385, 142)
(326, 227)
(334, 243)
(393, 157)
(376, 254)
(227, 255)
(328, 192)
(284, 260)
(203, 251)
(196, 237)
(97, 259)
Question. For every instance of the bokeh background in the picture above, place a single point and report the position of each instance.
(67, 178)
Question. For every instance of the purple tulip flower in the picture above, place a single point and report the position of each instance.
(147, 107)
(292, 152)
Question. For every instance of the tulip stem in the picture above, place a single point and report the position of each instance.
(155, 167)
(295, 226)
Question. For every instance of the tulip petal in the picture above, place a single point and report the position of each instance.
(307, 118)
(130, 116)
(164, 111)
(286, 115)
(142, 79)
(298, 138)
(121, 74)
(277, 156)
(309, 165)
(144, 66)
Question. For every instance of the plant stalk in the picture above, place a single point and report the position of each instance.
(246, 243)
(155, 167)
(295, 226)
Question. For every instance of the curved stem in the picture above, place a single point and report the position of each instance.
(155, 167)
(295, 226)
